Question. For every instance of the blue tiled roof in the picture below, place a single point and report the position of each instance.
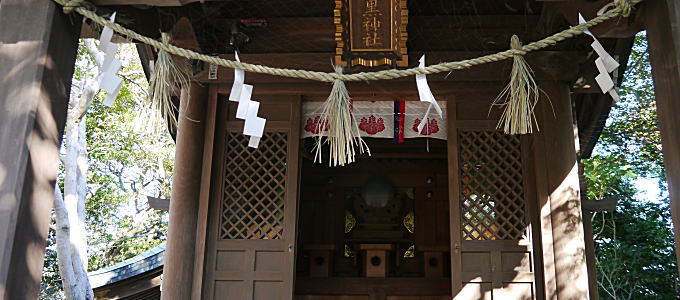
(139, 264)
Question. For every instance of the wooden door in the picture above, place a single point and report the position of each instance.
(250, 253)
(492, 250)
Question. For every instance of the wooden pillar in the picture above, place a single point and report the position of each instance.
(590, 254)
(178, 267)
(38, 46)
(566, 271)
(662, 21)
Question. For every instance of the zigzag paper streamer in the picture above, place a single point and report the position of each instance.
(108, 80)
(605, 64)
(247, 109)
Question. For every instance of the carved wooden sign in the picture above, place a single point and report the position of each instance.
(371, 33)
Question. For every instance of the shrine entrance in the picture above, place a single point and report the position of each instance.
(448, 210)
(385, 226)
(378, 227)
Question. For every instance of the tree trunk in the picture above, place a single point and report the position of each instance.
(70, 209)
(63, 244)
(71, 216)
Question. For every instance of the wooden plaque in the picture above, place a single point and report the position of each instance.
(371, 33)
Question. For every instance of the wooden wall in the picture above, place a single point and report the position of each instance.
(38, 45)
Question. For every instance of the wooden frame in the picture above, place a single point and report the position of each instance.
(251, 248)
(38, 44)
(204, 196)
(533, 214)
(662, 21)
(533, 163)
(500, 248)
(559, 196)
(454, 191)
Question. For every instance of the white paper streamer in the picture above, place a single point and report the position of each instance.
(254, 125)
(605, 64)
(244, 101)
(111, 97)
(247, 109)
(425, 94)
(107, 34)
(108, 80)
(239, 78)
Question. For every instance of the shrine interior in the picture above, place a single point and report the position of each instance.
(380, 223)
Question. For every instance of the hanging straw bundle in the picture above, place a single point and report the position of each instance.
(519, 97)
(343, 132)
(167, 75)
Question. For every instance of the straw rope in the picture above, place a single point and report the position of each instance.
(621, 8)
(519, 97)
(343, 134)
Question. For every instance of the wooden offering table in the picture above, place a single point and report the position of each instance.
(376, 259)
(320, 260)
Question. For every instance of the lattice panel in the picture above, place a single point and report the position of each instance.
(492, 191)
(254, 187)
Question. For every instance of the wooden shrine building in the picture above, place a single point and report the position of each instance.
(456, 210)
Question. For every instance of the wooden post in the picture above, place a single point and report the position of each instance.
(179, 257)
(38, 46)
(562, 195)
(663, 33)
(590, 254)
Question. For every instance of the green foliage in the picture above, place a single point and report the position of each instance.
(608, 176)
(632, 129)
(129, 159)
(634, 245)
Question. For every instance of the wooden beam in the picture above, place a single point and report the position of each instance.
(369, 286)
(427, 34)
(179, 257)
(204, 195)
(145, 2)
(37, 53)
(591, 258)
(158, 203)
(387, 91)
(663, 32)
(455, 241)
(556, 14)
(604, 205)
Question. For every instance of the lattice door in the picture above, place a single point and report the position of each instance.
(254, 206)
(496, 253)
(492, 191)
(254, 188)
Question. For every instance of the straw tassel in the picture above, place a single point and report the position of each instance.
(343, 132)
(166, 77)
(519, 97)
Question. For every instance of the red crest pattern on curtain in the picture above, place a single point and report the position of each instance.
(379, 119)
(372, 124)
(430, 128)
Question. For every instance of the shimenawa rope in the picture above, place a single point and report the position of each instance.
(518, 98)
(622, 8)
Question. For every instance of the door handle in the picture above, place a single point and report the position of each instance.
(290, 247)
